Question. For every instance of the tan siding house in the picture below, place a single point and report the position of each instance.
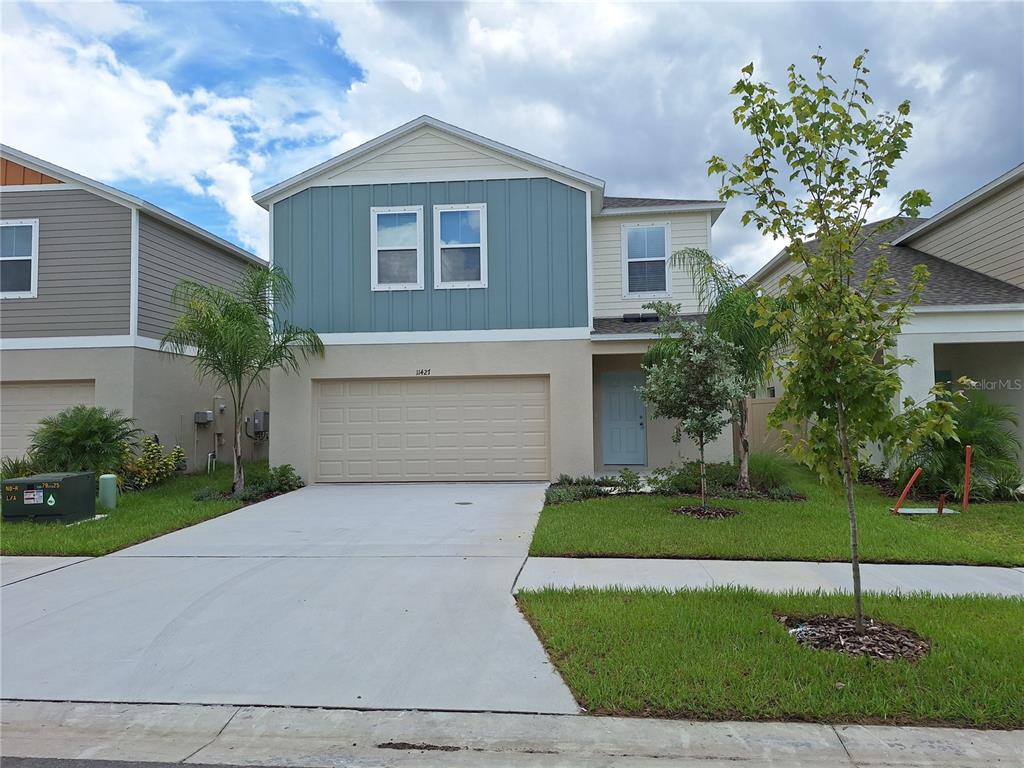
(84, 259)
(87, 278)
(971, 318)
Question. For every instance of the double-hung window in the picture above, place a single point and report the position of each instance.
(19, 258)
(460, 246)
(645, 261)
(396, 248)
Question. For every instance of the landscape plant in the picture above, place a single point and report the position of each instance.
(730, 308)
(819, 165)
(150, 466)
(235, 338)
(82, 438)
(986, 426)
(691, 379)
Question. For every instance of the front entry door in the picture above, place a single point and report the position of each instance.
(623, 418)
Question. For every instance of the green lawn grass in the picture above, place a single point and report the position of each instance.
(140, 515)
(721, 654)
(815, 529)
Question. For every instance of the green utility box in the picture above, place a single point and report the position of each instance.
(61, 497)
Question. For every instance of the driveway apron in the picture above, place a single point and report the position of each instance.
(366, 596)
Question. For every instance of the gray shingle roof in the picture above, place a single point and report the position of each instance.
(948, 284)
(650, 202)
(617, 326)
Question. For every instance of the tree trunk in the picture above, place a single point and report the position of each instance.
(238, 476)
(238, 473)
(844, 444)
(743, 480)
(703, 479)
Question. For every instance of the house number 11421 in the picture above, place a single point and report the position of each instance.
(422, 371)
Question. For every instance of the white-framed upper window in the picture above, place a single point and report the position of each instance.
(19, 258)
(646, 254)
(460, 246)
(396, 248)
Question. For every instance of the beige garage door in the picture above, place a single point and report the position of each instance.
(24, 403)
(390, 430)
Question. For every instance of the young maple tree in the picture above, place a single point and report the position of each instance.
(691, 378)
(841, 374)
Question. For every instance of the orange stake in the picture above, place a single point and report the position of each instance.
(903, 496)
(967, 478)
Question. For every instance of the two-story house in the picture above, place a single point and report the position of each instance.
(971, 318)
(481, 309)
(86, 274)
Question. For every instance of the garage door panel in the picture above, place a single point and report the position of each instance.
(24, 404)
(432, 429)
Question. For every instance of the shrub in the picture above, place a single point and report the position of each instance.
(769, 470)
(684, 479)
(784, 493)
(565, 479)
(277, 480)
(150, 466)
(83, 437)
(13, 466)
(871, 473)
(629, 481)
(564, 494)
(988, 428)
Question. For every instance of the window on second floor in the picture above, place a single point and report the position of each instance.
(460, 246)
(645, 261)
(396, 248)
(19, 258)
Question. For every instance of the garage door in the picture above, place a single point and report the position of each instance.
(23, 404)
(390, 430)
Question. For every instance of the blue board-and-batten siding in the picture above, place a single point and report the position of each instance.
(536, 258)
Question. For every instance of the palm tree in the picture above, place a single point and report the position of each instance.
(729, 305)
(235, 338)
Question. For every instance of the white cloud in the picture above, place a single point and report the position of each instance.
(73, 103)
(636, 94)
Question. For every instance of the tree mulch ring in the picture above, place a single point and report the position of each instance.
(711, 513)
(836, 633)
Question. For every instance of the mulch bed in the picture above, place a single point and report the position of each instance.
(836, 633)
(711, 513)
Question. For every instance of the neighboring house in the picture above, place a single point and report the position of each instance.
(474, 301)
(971, 319)
(86, 274)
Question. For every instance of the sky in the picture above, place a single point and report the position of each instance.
(194, 106)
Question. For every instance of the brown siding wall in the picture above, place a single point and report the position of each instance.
(167, 256)
(84, 265)
(15, 173)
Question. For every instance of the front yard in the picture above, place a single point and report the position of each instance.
(816, 529)
(140, 515)
(722, 655)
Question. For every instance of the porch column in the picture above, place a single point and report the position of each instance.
(918, 377)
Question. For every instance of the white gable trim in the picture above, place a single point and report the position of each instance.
(387, 140)
(962, 205)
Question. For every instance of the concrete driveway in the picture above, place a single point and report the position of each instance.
(369, 596)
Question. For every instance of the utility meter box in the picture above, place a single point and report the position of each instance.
(61, 497)
(261, 422)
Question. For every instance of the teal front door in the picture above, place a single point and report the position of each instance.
(623, 418)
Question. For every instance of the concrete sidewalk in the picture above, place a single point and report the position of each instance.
(782, 576)
(319, 737)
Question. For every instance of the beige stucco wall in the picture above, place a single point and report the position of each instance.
(661, 450)
(165, 397)
(566, 363)
(160, 392)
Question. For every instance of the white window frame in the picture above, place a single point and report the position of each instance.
(626, 294)
(374, 211)
(34, 287)
(482, 282)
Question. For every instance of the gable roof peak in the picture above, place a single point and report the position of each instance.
(295, 183)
